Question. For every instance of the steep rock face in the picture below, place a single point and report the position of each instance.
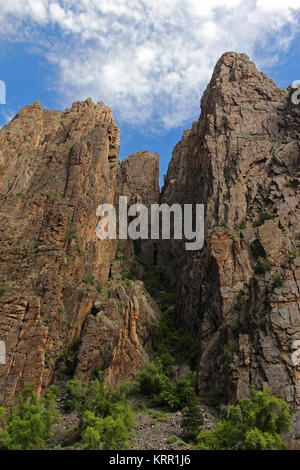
(140, 173)
(116, 333)
(140, 176)
(240, 159)
(56, 168)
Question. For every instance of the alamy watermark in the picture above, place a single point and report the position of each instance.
(2, 92)
(296, 353)
(2, 353)
(164, 221)
(296, 93)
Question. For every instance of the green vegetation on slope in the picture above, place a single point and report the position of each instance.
(107, 420)
(27, 425)
(254, 424)
(172, 348)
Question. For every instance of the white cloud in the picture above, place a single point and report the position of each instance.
(6, 116)
(150, 61)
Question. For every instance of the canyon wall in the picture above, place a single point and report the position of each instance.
(240, 295)
(56, 168)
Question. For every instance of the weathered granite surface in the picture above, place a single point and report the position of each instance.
(241, 160)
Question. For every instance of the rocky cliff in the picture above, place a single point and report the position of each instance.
(140, 172)
(56, 168)
(67, 303)
(240, 295)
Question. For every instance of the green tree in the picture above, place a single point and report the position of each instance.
(152, 381)
(113, 431)
(107, 419)
(91, 438)
(4, 436)
(192, 420)
(255, 423)
(28, 423)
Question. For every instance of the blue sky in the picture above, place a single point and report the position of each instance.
(149, 61)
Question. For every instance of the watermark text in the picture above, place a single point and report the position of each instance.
(296, 93)
(166, 222)
(2, 92)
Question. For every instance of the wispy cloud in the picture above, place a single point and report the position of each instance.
(149, 61)
(6, 116)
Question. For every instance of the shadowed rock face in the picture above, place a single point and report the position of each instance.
(240, 159)
(56, 168)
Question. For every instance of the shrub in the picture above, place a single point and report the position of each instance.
(293, 184)
(213, 398)
(62, 309)
(68, 357)
(192, 420)
(20, 193)
(255, 423)
(155, 280)
(72, 236)
(153, 382)
(293, 254)
(5, 290)
(172, 439)
(89, 279)
(169, 341)
(167, 300)
(103, 292)
(107, 419)
(112, 431)
(94, 396)
(55, 194)
(159, 416)
(128, 284)
(91, 438)
(263, 216)
(241, 226)
(262, 322)
(125, 273)
(257, 440)
(181, 443)
(277, 280)
(28, 424)
(262, 265)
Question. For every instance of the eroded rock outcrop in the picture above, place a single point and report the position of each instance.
(116, 333)
(56, 168)
(241, 160)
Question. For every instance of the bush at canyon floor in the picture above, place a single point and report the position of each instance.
(105, 420)
(27, 425)
(254, 424)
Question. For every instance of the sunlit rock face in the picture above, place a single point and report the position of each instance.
(241, 160)
(56, 169)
